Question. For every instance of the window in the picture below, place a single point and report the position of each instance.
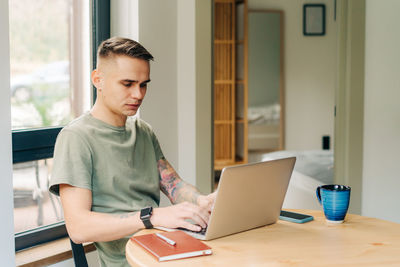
(50, 64)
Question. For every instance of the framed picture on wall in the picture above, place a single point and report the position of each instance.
(314, 19)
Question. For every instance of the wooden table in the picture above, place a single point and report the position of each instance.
(359, 241)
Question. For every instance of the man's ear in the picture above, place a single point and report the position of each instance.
(97, 79)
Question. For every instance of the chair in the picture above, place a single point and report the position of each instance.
(79, 254)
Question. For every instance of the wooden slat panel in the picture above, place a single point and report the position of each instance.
(223, 139)
(223, 102)
(224, 81)
(245, 81)
(223, 21)
(223, 122)
(223, 62)
(224, 42)
(233, 77)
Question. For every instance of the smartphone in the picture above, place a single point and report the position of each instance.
(295, 217)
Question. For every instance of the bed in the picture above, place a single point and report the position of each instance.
(312, 169)
(263, 127)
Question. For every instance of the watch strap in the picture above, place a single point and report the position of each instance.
(145, 215)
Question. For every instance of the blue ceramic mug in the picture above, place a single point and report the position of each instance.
(335, 201)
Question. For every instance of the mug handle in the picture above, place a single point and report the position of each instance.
(318, 192)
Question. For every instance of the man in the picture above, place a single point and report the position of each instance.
(109, 167)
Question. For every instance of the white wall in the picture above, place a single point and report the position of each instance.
(186, 94)
(7, 248)
(125, 18)
(203, 100)
(310, 73)
(154, 24)
(349, 99)
(158, 33)
(178, 101)
(381, 171)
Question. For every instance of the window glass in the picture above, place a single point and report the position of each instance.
(46, 62)
(34, 206)
(50, 86)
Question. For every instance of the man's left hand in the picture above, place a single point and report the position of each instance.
(207, 201)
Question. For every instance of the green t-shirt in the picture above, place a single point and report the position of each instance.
(119, 166)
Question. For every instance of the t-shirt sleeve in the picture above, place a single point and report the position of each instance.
(72, 162)
(157, 147)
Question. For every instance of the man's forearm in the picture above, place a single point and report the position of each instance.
(92, 226)
(185, 192)
(174, 187)
(85, 225)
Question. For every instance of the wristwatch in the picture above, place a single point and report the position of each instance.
(145, 215)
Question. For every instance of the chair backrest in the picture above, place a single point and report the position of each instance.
(79, 254)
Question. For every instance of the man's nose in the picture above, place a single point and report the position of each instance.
(137, 92)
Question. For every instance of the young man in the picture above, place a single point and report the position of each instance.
(109, 168)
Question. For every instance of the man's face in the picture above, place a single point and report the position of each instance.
(122, 84)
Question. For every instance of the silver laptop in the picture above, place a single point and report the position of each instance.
(249, 196)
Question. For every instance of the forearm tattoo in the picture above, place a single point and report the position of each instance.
(173, 186)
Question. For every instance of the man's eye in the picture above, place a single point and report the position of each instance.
(127, 84)
(143, 85)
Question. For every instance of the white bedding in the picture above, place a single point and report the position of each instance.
(264, 114)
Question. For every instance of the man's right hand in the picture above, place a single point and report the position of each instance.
(178, 215)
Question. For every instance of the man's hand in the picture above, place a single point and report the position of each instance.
(178, 215)
(190, 204)
(207, 202)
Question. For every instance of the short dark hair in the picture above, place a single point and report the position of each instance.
(123, 46)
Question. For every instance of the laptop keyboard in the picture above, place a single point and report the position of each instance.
(201, 232)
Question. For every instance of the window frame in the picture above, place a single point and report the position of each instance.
(38, 143)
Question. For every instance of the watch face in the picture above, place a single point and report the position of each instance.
(146, 212)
